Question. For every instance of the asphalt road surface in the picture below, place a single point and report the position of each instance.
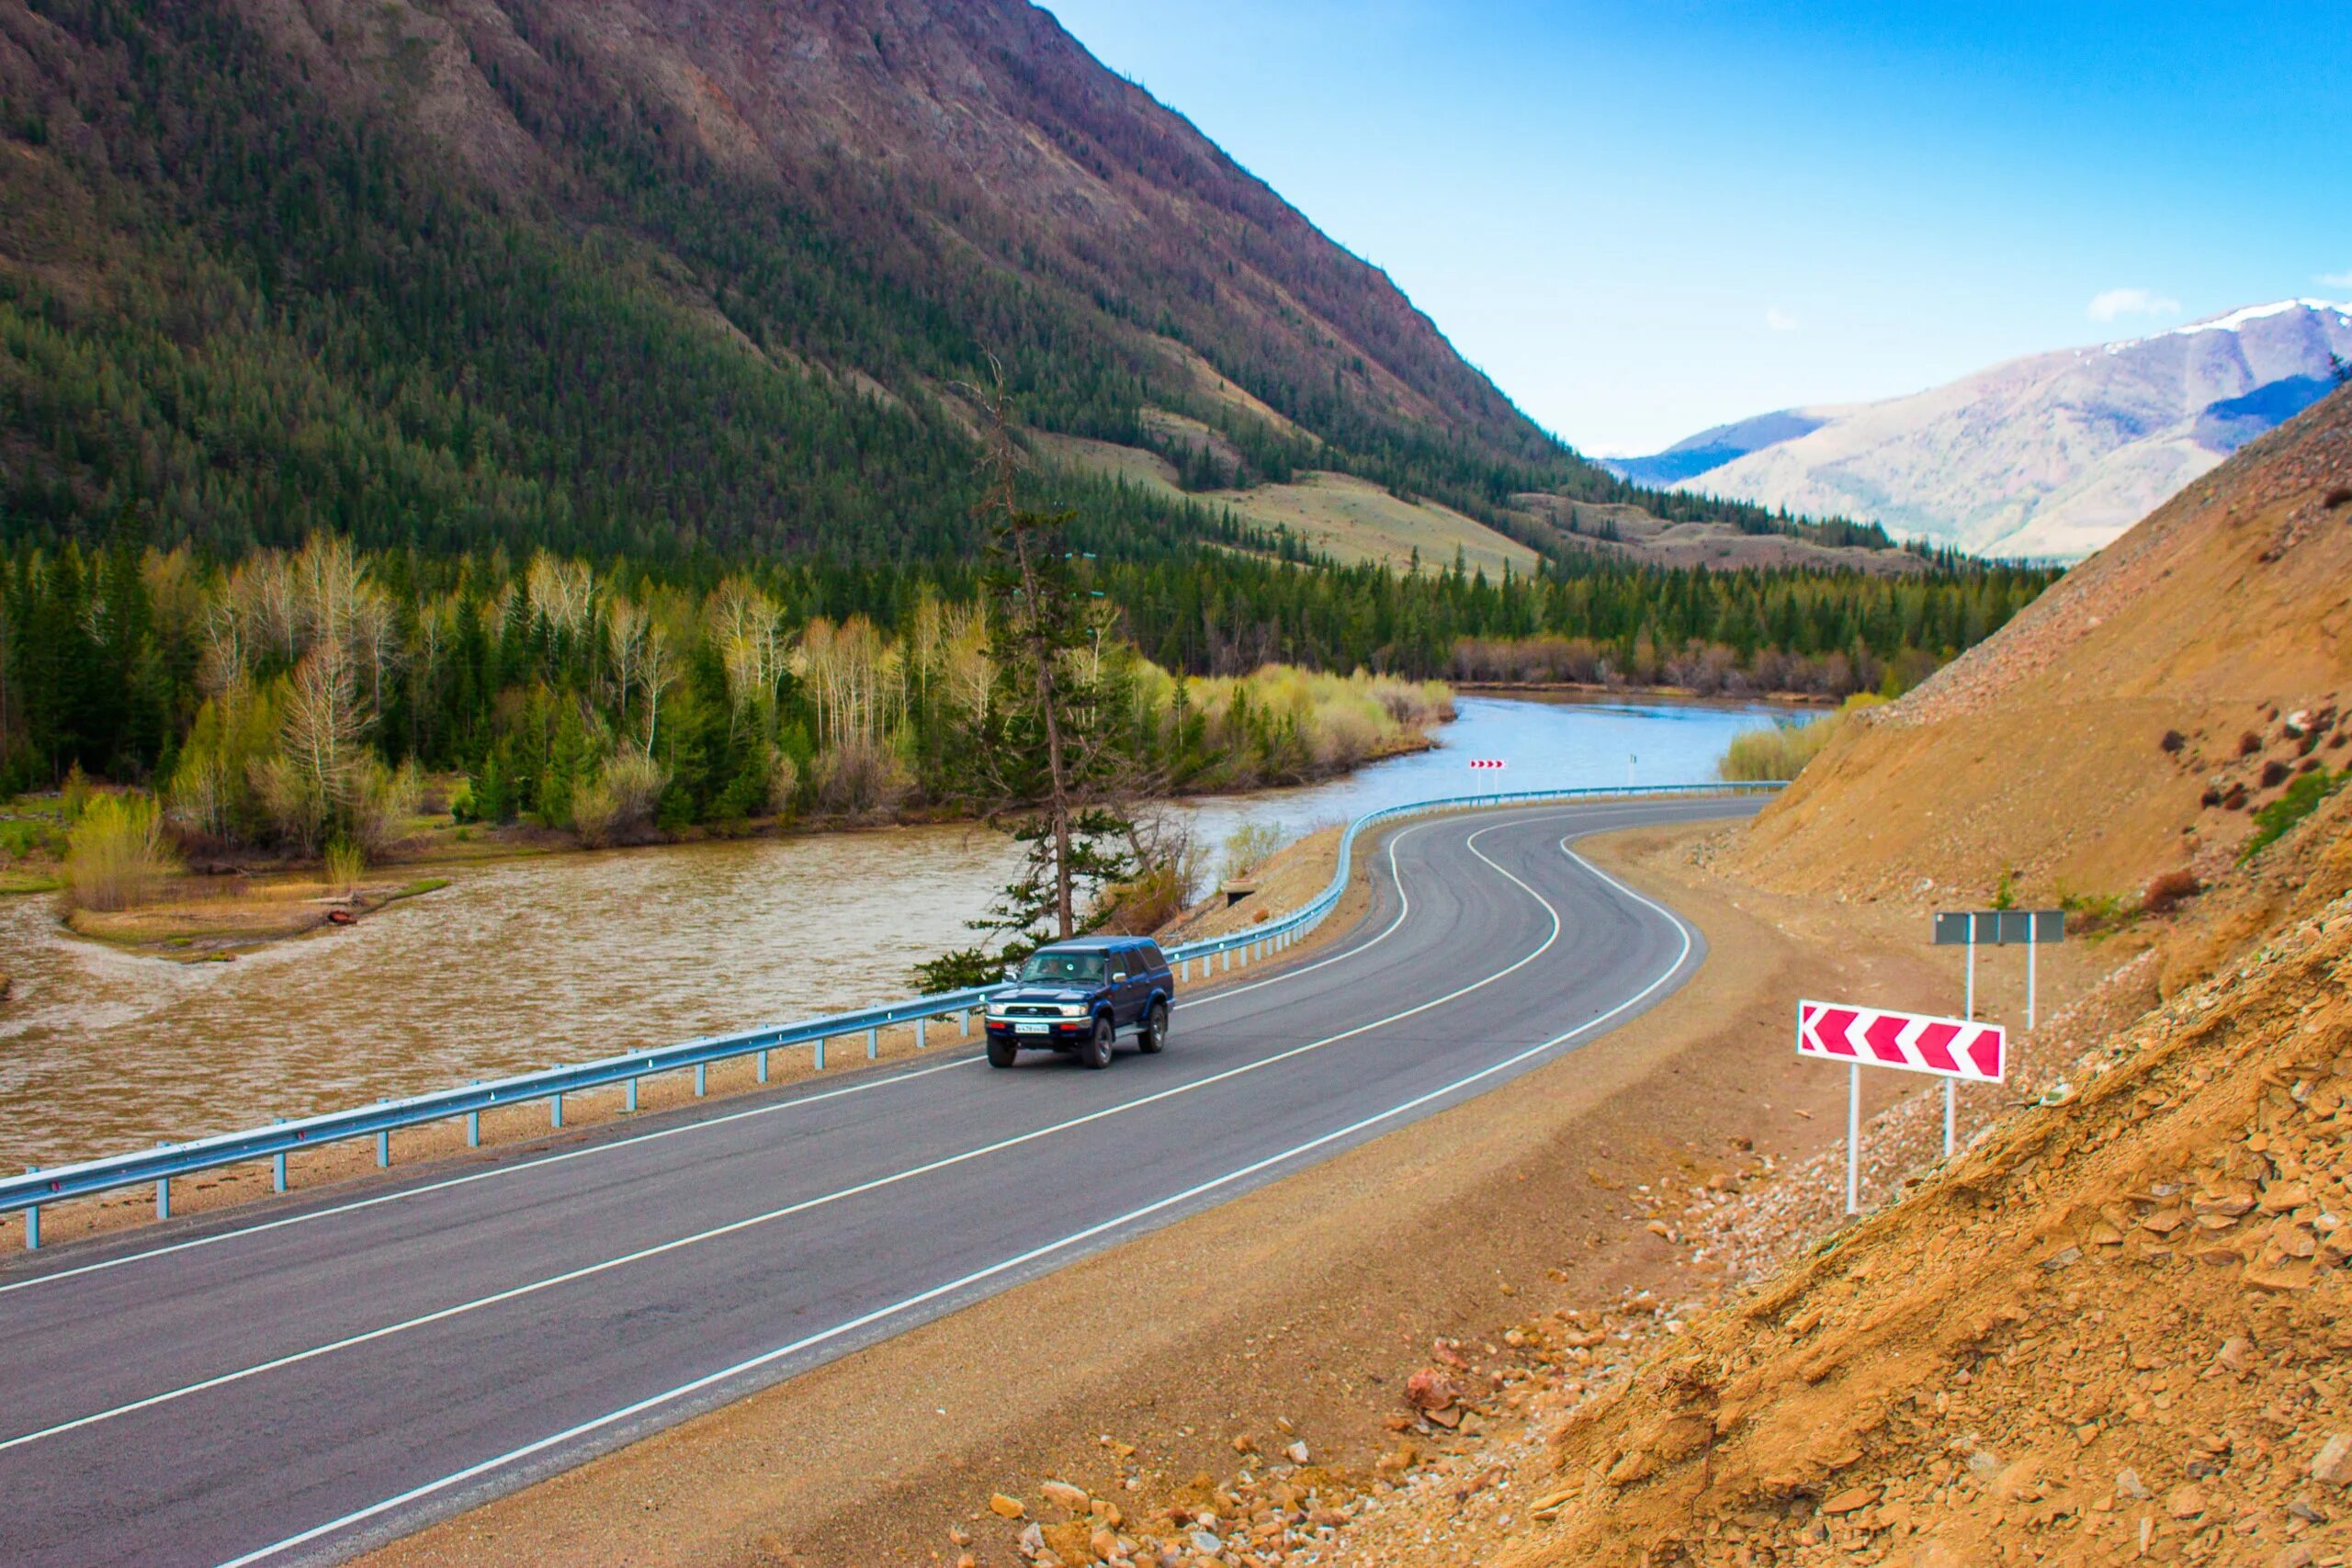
(298, 1381)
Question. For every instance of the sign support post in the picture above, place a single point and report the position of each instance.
(2001, 928)
(1854, 1138)
(1948, 1048)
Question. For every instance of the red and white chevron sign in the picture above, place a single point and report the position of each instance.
(1918, 1042)
(1486, 762)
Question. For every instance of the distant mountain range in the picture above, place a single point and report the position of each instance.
(2049, 456)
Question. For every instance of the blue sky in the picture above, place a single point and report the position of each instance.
(1645, 218)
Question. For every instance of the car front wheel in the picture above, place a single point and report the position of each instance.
(1003, 1052)
(1154, 1036)
(1097, 1052)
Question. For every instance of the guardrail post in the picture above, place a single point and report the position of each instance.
(555, 1110)
(819, 1059)
(632, 1094)
(384, 1148)
(473, 1124)
(964, 1023)
(922, 1032)
(163, 1193)
(701, 1080)
(277, 1167)
(764, 1063)
(32, 1218)
(873, 1043)
(1188, 969)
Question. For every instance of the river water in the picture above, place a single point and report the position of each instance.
(525, 964)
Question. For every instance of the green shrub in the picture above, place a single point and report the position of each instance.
(2302, 799)
(346, 863)
(115, 855)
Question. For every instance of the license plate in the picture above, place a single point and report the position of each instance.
(1029, 1029)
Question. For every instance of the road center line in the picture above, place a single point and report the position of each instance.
(1076, 1238)
(714, 1233)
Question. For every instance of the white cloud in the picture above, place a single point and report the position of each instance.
(1780, 321)
(2117, 302)
(2337, 279)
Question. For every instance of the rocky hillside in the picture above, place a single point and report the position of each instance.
(2049, 456)
(2132, 722)
(2115, 1331)
(655, 275)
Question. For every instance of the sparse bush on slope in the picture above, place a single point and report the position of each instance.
(1782, 752)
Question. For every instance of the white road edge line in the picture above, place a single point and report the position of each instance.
(588, 1271)
(517, 1167)
(652, 1402)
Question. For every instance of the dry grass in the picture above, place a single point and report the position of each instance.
(1782, 752)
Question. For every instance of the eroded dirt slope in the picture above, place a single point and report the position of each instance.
(2127, 723)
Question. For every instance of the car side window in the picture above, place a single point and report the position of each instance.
(1153, 958)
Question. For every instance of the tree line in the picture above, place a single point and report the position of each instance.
(819, 684)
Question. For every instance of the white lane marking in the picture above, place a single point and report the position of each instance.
(522, 1167)
(897, 1308)
(588, 1271)
(539, 1163)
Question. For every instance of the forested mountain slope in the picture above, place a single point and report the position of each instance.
(658, 277)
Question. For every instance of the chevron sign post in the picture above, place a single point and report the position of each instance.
(1948, 1048)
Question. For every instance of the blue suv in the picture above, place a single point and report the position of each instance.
(1075, 997)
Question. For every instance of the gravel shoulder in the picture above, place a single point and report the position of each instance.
(1157, 1375)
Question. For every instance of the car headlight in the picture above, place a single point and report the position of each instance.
(1073, 1009)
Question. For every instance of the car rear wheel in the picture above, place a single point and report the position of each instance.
(1003, 1052)
(1096, 1053)
(1154, 1036)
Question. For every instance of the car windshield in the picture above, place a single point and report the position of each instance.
(1064, 968)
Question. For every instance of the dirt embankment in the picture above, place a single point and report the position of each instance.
(2115, 1331)
(2127, 723)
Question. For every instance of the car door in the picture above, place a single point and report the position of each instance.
(1129, 984)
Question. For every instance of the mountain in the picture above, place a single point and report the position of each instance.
(1713, 447)
(2049, 456)
(2128, 723)
(658, 277)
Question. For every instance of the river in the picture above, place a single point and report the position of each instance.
(523, 963)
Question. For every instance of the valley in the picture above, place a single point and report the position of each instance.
(584, 582)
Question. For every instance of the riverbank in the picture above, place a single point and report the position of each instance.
(1587, 690)
(221, 905)
(214, 920)
(1289, 878)
(535, 955)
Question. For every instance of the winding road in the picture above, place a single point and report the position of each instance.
(295, 1381)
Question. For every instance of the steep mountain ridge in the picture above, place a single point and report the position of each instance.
(2051, 455)
(654, 275)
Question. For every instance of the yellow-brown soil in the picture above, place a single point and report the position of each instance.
(2127, 722)
(2116, 1331)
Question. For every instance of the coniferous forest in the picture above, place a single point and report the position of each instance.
(588, 471)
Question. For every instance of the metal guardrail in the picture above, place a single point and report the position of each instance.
(273, 1143)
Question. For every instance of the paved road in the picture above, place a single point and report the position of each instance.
(295, 1382)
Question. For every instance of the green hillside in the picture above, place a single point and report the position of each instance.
(481, 279)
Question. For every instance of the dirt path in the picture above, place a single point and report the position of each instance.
(1294, 1313)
